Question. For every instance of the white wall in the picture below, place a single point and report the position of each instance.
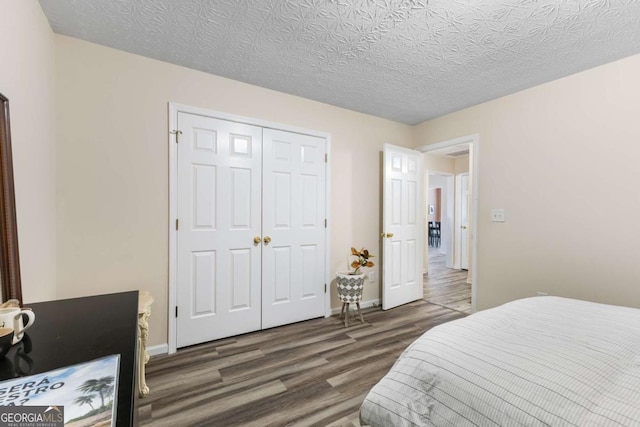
(27, 79)
(437, 181)
(461, 165)
(438, 163)
(113, 167)
(547, 156)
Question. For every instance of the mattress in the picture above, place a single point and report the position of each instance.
(543, 361)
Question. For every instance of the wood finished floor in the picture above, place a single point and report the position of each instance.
(445, 286)
(309, 373)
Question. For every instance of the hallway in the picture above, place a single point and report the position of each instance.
(446, 287)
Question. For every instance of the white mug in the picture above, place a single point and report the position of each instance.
(12, 318)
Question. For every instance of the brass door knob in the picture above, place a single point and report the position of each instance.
(267, 240)
(257, 240)
(389, 235)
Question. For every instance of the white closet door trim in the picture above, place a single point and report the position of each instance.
(174, 109)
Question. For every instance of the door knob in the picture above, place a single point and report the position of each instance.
(257, 240)
(464, 227)
(267, 240)
(389, 235)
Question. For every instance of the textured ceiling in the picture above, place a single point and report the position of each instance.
(405, 60)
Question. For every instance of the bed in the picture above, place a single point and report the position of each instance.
(543, 361)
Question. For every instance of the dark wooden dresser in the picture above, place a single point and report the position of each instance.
(77, 330)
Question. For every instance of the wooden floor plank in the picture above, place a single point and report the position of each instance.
(310, 373)
(446, 287)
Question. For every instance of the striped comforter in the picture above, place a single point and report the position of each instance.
(543, 361)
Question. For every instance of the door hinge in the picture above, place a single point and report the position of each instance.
(325, 288)
(176, 133)
(325, 223)
(326, 157)
(176, 311)
(176, 223)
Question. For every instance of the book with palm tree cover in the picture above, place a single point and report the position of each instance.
(87, 392)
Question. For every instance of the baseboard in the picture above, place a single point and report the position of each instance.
(155, 350)
(363, 304)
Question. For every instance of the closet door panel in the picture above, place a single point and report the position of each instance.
(293, 216)
(219, 213)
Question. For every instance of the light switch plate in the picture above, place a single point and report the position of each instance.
(372, 276)
(497, 215)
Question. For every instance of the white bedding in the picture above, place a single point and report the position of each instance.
(532, 362)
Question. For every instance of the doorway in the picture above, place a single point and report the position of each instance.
(440, 216)
(443, 284)
(451, 182)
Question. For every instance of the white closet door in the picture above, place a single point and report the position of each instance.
(219, 191)
(294, 220)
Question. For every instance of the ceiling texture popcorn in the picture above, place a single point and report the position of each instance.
(404, 60)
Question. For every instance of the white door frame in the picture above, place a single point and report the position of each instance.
(474, 140)
(457, 234)
(174, 109)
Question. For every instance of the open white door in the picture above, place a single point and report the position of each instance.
(403, 226)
